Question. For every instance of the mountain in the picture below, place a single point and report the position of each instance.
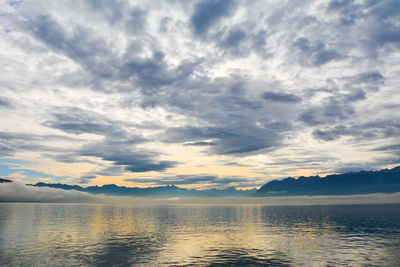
(161, 191)
(363, 182)
(5, 180)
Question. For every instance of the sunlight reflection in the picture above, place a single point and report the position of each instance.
(86, 234)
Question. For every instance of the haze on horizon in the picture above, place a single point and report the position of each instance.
(199, 94)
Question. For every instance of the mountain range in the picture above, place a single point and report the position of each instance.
(160, 191)
(362, 182)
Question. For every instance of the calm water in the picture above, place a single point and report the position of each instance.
(248, 235)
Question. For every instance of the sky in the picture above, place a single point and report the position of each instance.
(199, 94)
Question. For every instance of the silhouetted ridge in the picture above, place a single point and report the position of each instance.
(363, 182)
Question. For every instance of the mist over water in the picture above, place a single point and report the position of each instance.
(181, 235)
(19, 192)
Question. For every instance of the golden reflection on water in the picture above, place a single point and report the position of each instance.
(96, 234)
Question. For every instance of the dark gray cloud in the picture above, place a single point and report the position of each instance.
(330, 113)
(259, 42)
(81, 45)
(202, 143)
(118, 147)
(240, 41)
(77, 127)
(103, 63)
(78, 121)
(386, 32)
(111, 10)
(247, 139)
(197, 179)
(374, 20)
(394, 147)
(304, 160)
(85, 48)
(153, 73)
(363, 131)
(233, 42)
(340, 5)
(281, 97)
(234, 38)
(177, 180)
(145, 165)
(5, 103)
(339, 104)
(12, 142)
(207, 13)
(331, 134)
(164, 24)
(66, 157)
(374, 77)
(136, 22)
(356, 95)
(314, 55)
(131, 160)
(5, 149)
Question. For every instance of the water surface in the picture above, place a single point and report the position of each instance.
(187, 235)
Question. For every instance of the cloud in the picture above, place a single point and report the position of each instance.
(78, 124)
(111, 10)
(136, 22)
(374, 77)
(81, 46)
(378, 26)
(281, 97)
(201, 181)
(365, 131)
(130, 159)
(200, 144)
(86, 178)
(152, 73)
(233, 39)
(113, 84)
(395, 147)
(207, 13)
(5, 103)
(16, 141)
(79, 121)
(177, 180)
(331, 134)
(314, 55)
(247, 139)
(6, 150)
(18, 192)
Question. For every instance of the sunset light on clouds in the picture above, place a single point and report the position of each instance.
(209, 94)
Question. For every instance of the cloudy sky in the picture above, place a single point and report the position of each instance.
(197, 93)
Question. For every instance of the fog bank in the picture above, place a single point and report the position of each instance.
(19, 192)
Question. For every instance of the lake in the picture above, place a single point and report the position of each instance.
(198, 235)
